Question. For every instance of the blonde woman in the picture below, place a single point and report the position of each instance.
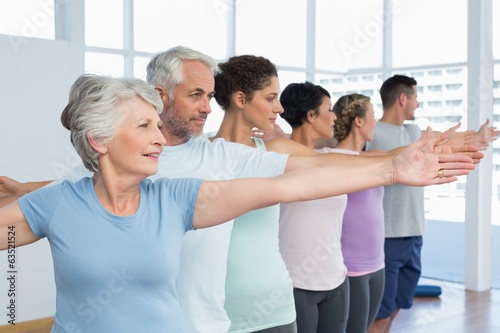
(363, 223)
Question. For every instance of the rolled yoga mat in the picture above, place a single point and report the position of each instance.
(427, 291)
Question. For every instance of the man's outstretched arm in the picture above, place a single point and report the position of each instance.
(9, 186)
(11, 190)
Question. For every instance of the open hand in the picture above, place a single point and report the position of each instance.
(416, 166)
(446, 143)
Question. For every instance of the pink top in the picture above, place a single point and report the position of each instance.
(310, 234)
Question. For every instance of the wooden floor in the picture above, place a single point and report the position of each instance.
(455, 311)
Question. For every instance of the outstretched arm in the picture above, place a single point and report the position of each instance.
(486, 134)
(9, 186)
(11, 190)
(296, 162)
(220, 201)
(14, 224)
(440, 143)
(481, 138)
(8, 199)
(445, 144)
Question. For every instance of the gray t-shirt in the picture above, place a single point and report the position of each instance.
(403, 205)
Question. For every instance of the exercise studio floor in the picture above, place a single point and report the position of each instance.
(455, 310)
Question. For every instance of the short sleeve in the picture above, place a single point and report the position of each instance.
(252, 162)
(39, 207)
(184, 191)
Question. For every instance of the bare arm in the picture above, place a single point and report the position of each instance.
(480, 139)
(9, 186)
(11, 190)
(455, 162)
(440, 143)
(486, 134)
(220, 201)
(13, 223)
(8, 199)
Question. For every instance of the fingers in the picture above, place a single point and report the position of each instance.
(476, 156)
(465, 149)
(257, 133)
(447, 175)
(424, 139)
(456, 168)
(454, 128)
(444, 180)
(452, 170)
(459, 158)
(440, 139)
(450, 173)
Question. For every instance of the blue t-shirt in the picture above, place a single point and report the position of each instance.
(114, 273)
(202, 271)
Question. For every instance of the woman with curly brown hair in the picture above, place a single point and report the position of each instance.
(259, 291)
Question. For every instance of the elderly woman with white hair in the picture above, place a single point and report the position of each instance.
(116, 237)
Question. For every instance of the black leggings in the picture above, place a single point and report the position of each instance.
(322, 311)
(366, 295)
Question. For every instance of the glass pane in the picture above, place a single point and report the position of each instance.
(272, 29)
(348, 34)
(287, 77)
(104, 64)
(104, 23)
(199, 24)
(496, 29)
(140, 65)
(27, 18)
(423, 35)
(367, 84)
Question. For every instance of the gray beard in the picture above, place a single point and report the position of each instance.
(177, 129)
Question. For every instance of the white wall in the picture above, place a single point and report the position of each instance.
(35, 78)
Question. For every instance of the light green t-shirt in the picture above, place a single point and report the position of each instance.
(259, 291)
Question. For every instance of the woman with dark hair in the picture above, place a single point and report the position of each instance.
(310, 231)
